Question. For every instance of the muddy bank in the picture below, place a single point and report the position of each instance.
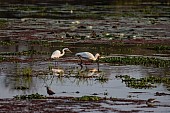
(70, 105)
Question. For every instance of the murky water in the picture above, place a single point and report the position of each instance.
(68, 86)
(45, 27)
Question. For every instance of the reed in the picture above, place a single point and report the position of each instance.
(146, 61)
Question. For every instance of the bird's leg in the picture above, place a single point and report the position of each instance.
(86, 68)
(81, 62)
(98, 65)
(56, 63)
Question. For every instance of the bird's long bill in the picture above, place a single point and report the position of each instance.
(69, 51)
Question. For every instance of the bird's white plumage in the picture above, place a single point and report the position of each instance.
(57, 53)
(87, 55)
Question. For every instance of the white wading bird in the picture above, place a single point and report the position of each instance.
(88, 56)
(57, 54)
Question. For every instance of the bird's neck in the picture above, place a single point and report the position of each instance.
(96, 57)
(63, 52)
(47, 88)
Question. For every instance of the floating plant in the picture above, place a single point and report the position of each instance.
(44, 43)
(87, 98)
(7, 43)
(160, 47)
(102, 79)
(21, 88)
(147, 61)
(25, 53)
(2, 59)
(26, 71)
(3, 23)
(30, 8)
(146, 82)
(31, 96)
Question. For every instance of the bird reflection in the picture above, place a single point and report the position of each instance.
(91, 72)
(87, 72)
(58, 72)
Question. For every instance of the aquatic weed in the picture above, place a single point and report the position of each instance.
(147, 61)
(144, 82)
(25, 53)
(44, 43)
(161, 47)
(102, 79)
(7, 43)
(31, 96)
(26, 71)
(21, 88)
(3, 23)
(87, 98)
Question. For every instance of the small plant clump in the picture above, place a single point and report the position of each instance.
(7, 43)
(3, 23)
(161, 47)
(102, 79)
(4, 59)
(87, 98)
(146, 82)
(44, 43)
(31, 96)
(26, 71)
(21, 88)
(138, 61)
(30, 8)
(25, 53)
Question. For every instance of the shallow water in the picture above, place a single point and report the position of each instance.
(70, 85)
(77, 87)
